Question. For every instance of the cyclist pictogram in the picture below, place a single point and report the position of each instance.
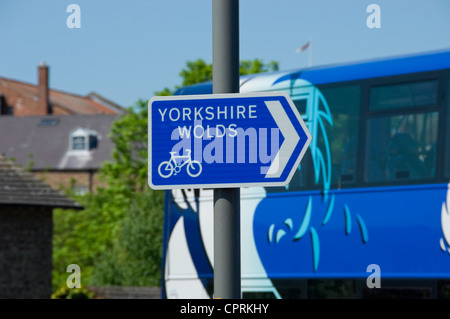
(176, 162)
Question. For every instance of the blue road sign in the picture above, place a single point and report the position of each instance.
(224, 140)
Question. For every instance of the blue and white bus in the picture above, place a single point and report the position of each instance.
(371, 196)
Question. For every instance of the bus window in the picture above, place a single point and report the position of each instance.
(344, 103)
(332, 115)
(405, 95)
(401, 147)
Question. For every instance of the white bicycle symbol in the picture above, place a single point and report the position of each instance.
(167, 168)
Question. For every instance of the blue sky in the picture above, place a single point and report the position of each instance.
(126, 50)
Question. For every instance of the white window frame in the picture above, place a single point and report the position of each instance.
(81, 132)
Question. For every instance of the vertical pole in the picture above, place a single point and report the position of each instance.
(227, 243)
(310, 53)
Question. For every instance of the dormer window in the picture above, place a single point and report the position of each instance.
(82, 139)
(78, 142)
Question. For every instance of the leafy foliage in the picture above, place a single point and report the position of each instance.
(199, 71)
(117, 238)
(256, 66)
(196, 72)
(80, 237)
(135, 258)
(128, 169)
(64, 292)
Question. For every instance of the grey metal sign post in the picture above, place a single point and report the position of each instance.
(272, 113)
(227, 244)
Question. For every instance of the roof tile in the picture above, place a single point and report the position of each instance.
(18, 187)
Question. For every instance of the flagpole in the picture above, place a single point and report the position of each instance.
(310, 53)
(307, 46)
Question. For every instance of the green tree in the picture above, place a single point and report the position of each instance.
(135, 258)
(256, 66)
(81, 237)
(84, 237)
(165, 92)
(127, 171)
(117, 238)
(199, 71)
(196, 72)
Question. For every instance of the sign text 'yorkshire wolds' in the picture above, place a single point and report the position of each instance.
(224, 140)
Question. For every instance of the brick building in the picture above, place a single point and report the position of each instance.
(61, 137)
(66, 151)
(26, 228)
(23, 99)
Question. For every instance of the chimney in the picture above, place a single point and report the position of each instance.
(43, 106)
(3, 106)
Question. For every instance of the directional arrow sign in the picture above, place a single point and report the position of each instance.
(224, 140)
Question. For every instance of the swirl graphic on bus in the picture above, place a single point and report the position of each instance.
(317, 117)
(445, 223)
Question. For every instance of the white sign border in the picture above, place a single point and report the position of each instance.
(226, 96)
